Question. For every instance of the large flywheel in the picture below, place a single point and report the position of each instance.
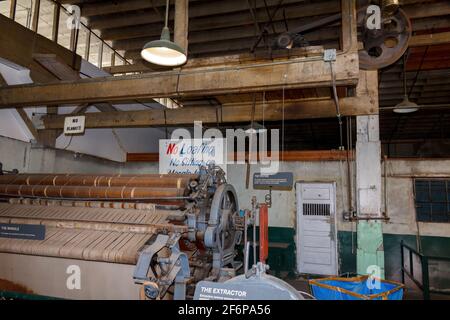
(383, 47)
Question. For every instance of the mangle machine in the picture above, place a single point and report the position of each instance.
(124, 236)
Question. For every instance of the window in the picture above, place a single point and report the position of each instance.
(432, 200)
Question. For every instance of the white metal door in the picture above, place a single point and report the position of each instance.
(316, 228)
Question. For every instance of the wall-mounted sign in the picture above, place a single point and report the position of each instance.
(22, 231)
(241, 290)
(188, 155)
(280, 181)
(74, 125)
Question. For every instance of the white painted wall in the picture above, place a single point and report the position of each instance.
(21, 155)
(97, 142)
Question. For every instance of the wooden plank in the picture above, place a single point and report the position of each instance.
(142, 157)
(424, 11)
(36, 11)
(288, 74)
(229, 60)
(64, 72)
(29, 124)
(229, 114)
(55, 26)
(26, 44)
(12, 10)
(365, 103)
(430, 39)
(181, 24)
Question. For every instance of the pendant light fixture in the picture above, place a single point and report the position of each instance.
(164, 52)
(405, 106)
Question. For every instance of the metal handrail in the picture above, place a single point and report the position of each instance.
(14, 4)
(93, 33)
(424, 262)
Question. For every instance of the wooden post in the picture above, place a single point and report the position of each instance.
(88, 45)
(113, 59)
(73, 39)
(181, 23)
(48, 137)
(37, 5)
(100, 54)
(12, 10)
(56, 14)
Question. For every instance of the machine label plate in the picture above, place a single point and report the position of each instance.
(280, 181)
(22, 231)
(206, 290)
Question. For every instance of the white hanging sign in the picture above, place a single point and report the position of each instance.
(74, 125)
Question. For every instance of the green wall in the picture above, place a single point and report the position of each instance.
(282, 261)
(431, 246)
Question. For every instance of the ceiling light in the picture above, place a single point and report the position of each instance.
(406, 106)
(164, 52)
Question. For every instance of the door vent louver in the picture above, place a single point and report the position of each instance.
(316, 209)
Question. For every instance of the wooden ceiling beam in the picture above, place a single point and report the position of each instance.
(224, 48)
(23, 115)
(365, 102)
(434, 9)
(201, 39)
(28, 43)
(207, 9)
(250, 77)
(294, 15)
(238, 59)
(227, 114)
(431, 39)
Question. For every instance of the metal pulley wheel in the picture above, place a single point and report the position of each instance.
(383, 47)
(223, 208)
(149, 291)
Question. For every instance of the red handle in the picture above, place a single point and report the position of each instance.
(263, 233)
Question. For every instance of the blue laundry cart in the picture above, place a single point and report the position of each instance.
(355, 288)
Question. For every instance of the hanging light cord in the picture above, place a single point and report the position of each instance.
(338, 109)
(405, 89)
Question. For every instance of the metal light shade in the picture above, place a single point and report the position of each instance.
(164, 52)
(406, 106)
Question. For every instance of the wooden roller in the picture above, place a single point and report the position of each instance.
(84, 192)
(147, 180)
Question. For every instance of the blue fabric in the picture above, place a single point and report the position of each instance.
(359, 287)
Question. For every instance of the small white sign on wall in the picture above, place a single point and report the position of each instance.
(74, 125)
(187, 155)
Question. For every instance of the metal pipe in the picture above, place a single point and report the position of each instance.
(263, 233)
(246, 256)
(385, 189)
